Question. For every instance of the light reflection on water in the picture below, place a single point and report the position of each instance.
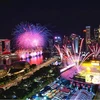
(34, 60)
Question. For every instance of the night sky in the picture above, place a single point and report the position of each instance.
(59, 17)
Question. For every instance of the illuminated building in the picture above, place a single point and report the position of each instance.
(72, 40)
(97, 34)
(51, 43)
(6, 47)
(88, 39)
(57, 40)
(93, 77)
(51, 46)
(73, 36)
(82, 95)
(65, 40)
(75, 40)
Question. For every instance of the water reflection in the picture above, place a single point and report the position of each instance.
(34, 60)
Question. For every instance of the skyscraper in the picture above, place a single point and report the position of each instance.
(76, 43)
(88, 39)
(6, 47)
(75, 40)
(65, 40)
(97, 34)
(51, 44)
(57, 40)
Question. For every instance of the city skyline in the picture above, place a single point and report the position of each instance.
(59, 17)
(49, 50)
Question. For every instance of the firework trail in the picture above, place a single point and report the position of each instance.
(72, 58)
(95, 50)
(59, 51)
(29, 36)
(69, 55)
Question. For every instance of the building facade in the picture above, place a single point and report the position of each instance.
(88, 38)
(97, 34)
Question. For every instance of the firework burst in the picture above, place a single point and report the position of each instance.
(29, 36)
(95, 49)
(73, 59)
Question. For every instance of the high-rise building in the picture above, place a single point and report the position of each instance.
(76, 44)
(0, 47)
(97, 34)
(65, 40)
(51, 44)
(75, 39)
(57, 40)
(6, 47)
(88, 38)
(73, 36)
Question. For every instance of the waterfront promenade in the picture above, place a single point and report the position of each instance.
(20, 78)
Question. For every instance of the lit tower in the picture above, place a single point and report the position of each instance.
(88, 39)
(0, 47)
(65, 40)
(96, 33)
(51, 46)
(6, 45)
(99, 35)
(76, 43)
(57, 40)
